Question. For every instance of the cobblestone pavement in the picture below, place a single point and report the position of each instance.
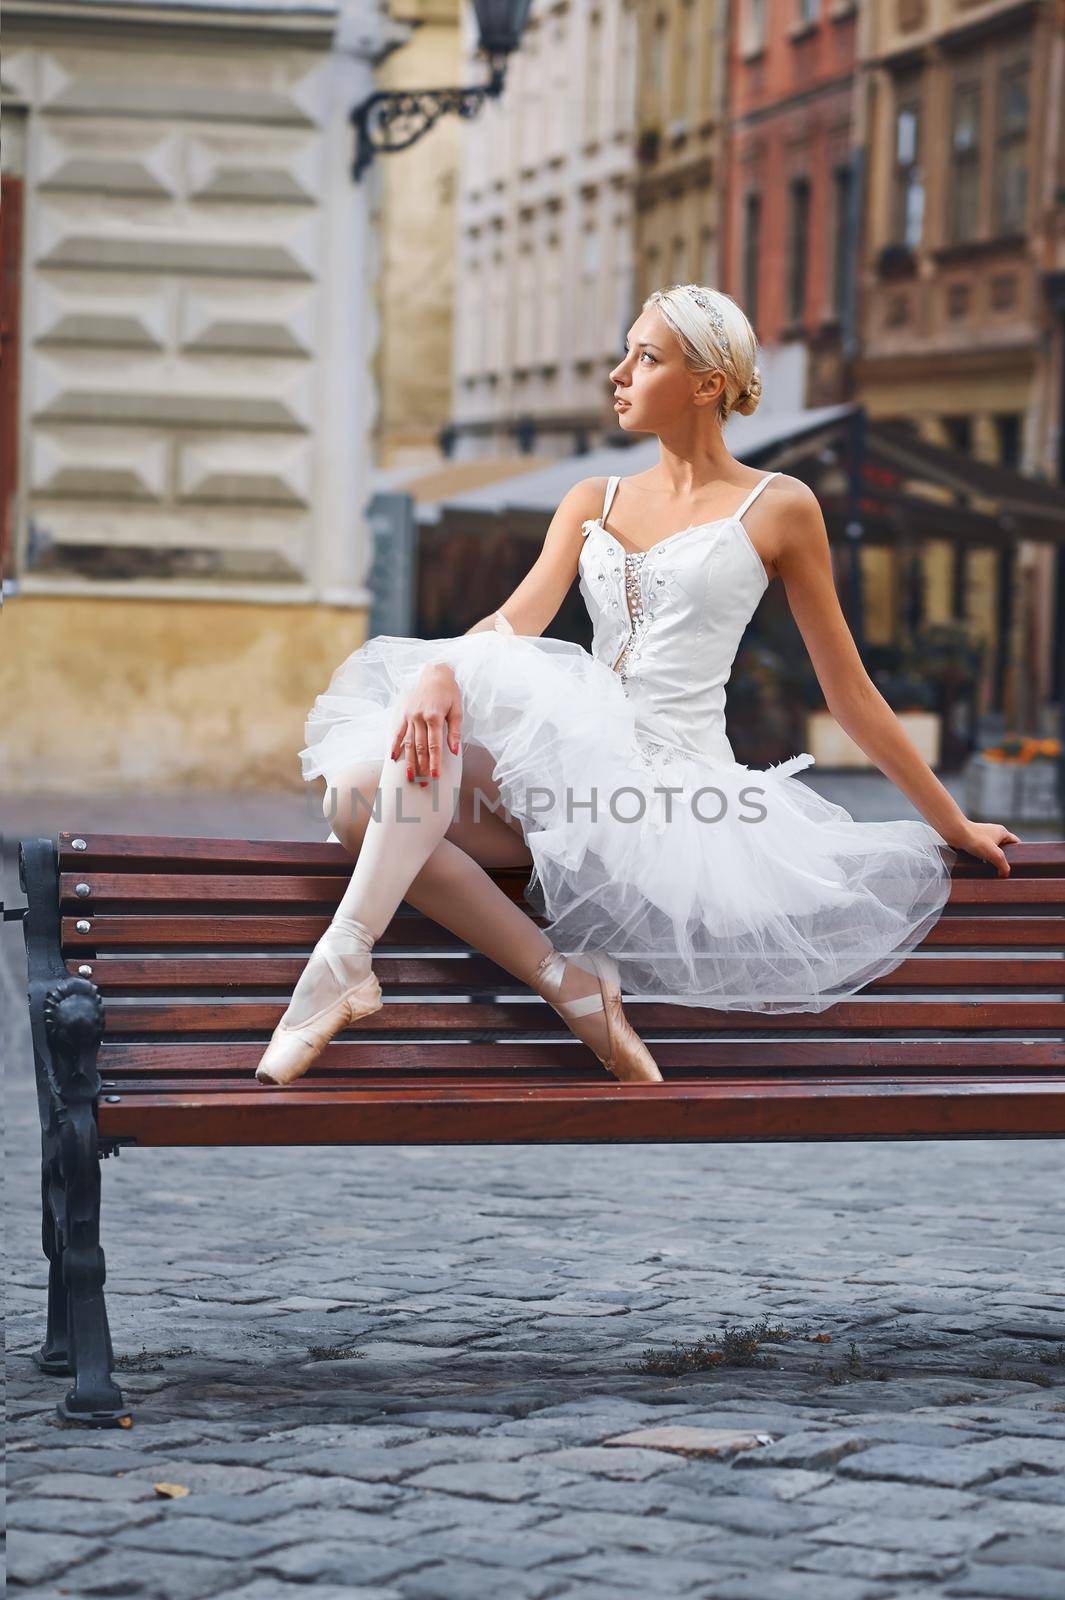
(392, 1374)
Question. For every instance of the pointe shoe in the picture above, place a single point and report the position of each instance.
(293, 1049)
(629, 1058)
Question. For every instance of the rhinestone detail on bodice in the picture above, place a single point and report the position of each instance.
(634, 560)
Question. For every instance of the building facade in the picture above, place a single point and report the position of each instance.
(546, 261)
(415, 231)
(681, 107)
(792, 190)
(189, 409)
(955, 224)
(963, 151)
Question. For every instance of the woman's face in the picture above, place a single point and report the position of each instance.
(654, 388)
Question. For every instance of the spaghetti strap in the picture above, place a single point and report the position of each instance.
(755, 492)
(611, 488)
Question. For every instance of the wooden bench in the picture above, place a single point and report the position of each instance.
(158, 968)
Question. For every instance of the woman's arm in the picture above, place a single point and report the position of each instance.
(434, 711)
(534, 604)
(804, 564)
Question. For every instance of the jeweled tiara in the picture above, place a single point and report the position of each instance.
(705, 299)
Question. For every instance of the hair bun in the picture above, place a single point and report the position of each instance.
(747, 399)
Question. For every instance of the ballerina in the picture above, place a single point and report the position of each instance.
(661, 865)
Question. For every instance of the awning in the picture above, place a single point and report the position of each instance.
(880, 474)
(539, 491)
(453, 482)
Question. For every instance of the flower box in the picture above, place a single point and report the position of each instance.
(1010, 791)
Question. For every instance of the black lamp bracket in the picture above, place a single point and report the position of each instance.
(393, 119)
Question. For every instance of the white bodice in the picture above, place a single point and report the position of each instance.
(670, 619)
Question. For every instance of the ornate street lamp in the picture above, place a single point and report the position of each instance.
(392, 119)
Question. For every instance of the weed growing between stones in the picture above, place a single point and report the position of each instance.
(737, 1347)
(333, 1352)
(150, 1360)
(853, 1366)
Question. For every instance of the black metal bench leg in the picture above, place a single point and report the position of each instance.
(95, 1398)
(67, 1019)
(54, 1354)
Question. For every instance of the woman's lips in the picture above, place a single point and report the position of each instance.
(621, 405)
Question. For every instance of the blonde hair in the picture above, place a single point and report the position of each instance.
(715, 336)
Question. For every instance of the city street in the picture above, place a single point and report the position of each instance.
(401, 1374)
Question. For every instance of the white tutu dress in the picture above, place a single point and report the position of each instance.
(711, 883)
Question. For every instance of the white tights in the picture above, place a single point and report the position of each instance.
(430, 845)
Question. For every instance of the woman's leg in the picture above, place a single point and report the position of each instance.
(447, 883)
(399, 829)
(402, 853)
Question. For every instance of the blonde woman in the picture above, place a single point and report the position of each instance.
(660, 864)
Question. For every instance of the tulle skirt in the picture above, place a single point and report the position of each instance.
(711, 883)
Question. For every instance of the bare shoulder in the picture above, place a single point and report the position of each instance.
(798, 525)
(790, 494)
(797, 509)
(584, 501)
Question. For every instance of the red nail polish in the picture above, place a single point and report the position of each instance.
(435, 774)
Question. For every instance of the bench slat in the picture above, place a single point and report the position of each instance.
(996, 933)
(159, 931)
(117, 931)
(272, 894)
(446, 1015)
(114, 975)
(750, 1109)
(150, 852)
(462, 1086)
(121, 1063)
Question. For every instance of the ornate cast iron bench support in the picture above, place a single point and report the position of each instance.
(67, 1020)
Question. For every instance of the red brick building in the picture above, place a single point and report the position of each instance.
(789, 191)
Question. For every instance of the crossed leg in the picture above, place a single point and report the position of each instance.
(442, 873)
(430, 846)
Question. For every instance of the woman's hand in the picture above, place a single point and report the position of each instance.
(433, 711)
(983, 839)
